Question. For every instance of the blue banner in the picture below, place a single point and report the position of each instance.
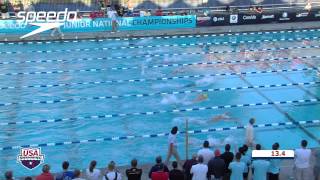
(104, 24)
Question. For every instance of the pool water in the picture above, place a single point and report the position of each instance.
(55, 92)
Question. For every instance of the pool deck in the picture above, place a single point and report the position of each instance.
(287, 165)
(199, 30)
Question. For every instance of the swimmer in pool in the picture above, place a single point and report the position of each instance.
(306, 42)
(200, 98)
(223, 117)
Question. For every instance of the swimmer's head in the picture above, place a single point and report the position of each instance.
(205, 95)
(252, 121)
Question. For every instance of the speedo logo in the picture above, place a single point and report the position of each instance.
(45, 20)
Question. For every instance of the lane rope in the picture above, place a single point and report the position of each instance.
(156, 46)
(118, 138)
(158, 79)
(54, 101)
(156, 55)
(150, 113)
(161, 37)
(161, 65)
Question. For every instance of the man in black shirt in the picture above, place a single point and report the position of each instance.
(175, 173)
(158, 166)
(216, 167)
(187, 166)
(4, 9)
(134, 173)
(227, 156)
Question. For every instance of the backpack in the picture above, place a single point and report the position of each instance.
(115, 178)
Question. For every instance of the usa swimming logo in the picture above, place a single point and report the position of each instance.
(30, 158)
(45, 20)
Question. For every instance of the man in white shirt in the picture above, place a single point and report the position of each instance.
(200, 170)
(112, 14)
(205, 152)
(172, 142)
(250, 133)
(302, 161)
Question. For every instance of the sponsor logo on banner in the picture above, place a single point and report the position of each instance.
(234, 18)
(270, 16)
(250, 17)
(217, 19)
(45, 20)
(304, 14)
(203, 18)
(284, 16)
(30, 158)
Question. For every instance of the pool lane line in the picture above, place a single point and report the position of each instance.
(309, 133)
(157, 79)
(156, 66)
(151, 113)
(119, 138)
(279, 109)
(156, 55)
(161, 37)
(156, 46)
(54, 101)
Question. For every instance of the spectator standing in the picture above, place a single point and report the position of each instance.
(161, 174)
(260, 167)
(112, 173)
(200, 170)
(112, 14)
(92, 173)
(158, 166)
(4, 9)
(65, 175)
(142, 13)
(172, 143)
(250, 133)
(187, 166)
(18, 7)
(205, 152)
(175, 173)
(246, 160)
(159, 12)
(274, 168)
(317, 164)
(302, 161)
(134, 173)
(227, 156)
(8, 175)
(148, 13)
(46, 175)
(77, 175)
(216, 167)
(237, 168)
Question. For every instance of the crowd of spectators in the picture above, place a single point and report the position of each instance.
(205, 165)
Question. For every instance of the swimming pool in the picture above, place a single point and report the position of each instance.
(72, 97)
